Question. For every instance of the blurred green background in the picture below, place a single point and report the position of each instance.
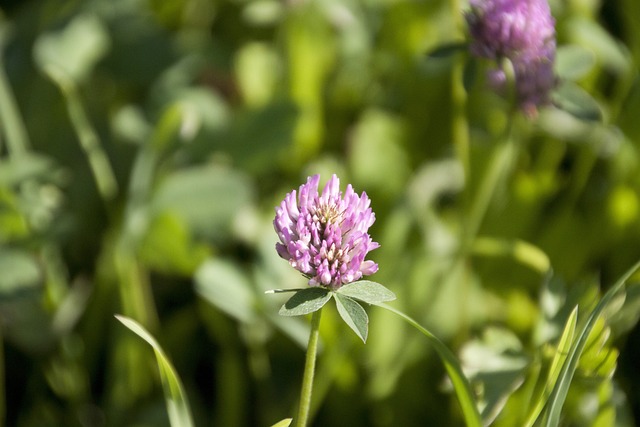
(145, 144)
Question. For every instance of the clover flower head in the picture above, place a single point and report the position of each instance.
(522, 31)
(325, 236)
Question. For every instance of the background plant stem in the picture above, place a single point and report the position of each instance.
(12, 124)
(89, 141)
(498, 165)
(3, 401)
(309, 369)
(454, 370)
(460, 128)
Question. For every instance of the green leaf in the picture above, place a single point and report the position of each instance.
(496, 363)
(377, 144)
(20, 273)
(284, 423)
(366, 291)
(176, 399)
(609, 51)
(558, 362)
(305, 301)
(521, 251)
(168, 247)
(598, 359)
(560, 391)
(353, 314)
(574, 61)
(208, 198)
(577, 102)
(454, 370)
(224, 285)
(447, 50)
(75, 50)
(273, 125)
(14, 170)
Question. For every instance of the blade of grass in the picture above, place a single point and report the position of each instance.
(561, 388)
(558, 362)
(460, 383)
(176, 399)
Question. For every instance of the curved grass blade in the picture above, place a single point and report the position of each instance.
(177, 404)
(558, 362)
(460, 382)
(284, 423)
(561, 389)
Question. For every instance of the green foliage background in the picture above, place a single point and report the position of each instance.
(145, 144)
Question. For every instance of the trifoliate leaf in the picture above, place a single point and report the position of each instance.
(353, 314)
(366, 291)
(305, 301)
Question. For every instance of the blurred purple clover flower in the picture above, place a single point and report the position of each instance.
(325, 237)
(522, 31)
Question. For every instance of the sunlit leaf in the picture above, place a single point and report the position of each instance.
(284, 423)
(20, 272)
(176, 399)
(74, 50)
(598, 359)
(306, 301)
(521, 251)
(354, 315)
(558, 361)
(496, 363)
(377, 144)
(574, 61)
(208, 198)
(559, 394)
(366, 291)
(14, 170)
(608, 49)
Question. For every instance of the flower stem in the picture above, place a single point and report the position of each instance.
(498, 165)
(459, 129)
(309, 369)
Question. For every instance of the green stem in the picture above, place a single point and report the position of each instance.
(460, 127)
(89, 141)
(500, 161)
(3, 401)
(309, 369)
